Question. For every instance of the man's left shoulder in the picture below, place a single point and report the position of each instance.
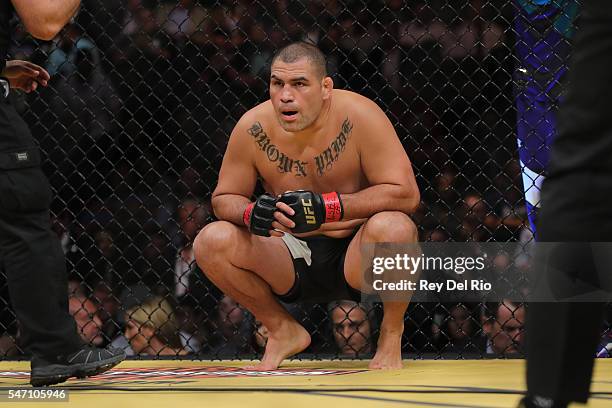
(354, 103)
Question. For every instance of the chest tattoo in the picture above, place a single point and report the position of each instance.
(329, 156)
(283, 163)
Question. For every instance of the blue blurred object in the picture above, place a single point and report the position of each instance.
(543, 32)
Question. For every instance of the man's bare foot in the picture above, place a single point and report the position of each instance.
(389, 351)
(287, 341)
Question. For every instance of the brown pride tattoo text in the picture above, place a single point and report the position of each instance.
(329, 156)
(285, 164)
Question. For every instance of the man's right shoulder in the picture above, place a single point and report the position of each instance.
(258, 116)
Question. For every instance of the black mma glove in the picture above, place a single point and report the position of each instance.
(312, 209)
(258, 216)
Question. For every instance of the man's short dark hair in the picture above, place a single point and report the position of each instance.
(301, 49)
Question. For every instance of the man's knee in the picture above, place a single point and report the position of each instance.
(390, 226)
(213, 241)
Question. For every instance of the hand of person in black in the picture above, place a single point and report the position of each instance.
(25, 75)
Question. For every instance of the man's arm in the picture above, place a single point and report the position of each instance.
(237, 177)
(385, 165)
(45, 18)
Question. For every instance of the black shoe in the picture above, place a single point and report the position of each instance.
(86, 362)
(540, 402)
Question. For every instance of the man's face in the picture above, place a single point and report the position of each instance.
(351, 330)
(507, 332)
(297, 93)
(88, 322)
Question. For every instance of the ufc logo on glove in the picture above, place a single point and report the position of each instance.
(309, 212)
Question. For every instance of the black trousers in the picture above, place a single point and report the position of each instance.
(30, 253)
(576, 207)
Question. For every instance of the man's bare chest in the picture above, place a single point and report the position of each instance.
(330, 161)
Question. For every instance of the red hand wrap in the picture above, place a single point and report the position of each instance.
(246, 216)
(333, 207)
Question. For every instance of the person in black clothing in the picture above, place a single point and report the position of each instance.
(30, 253)
(576, 212)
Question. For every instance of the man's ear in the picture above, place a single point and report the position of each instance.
(328, 87)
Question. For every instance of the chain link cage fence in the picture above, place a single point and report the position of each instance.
(144, 94)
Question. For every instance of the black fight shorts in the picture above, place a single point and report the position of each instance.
(319, 270)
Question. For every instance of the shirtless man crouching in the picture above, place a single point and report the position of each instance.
(356, 185)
